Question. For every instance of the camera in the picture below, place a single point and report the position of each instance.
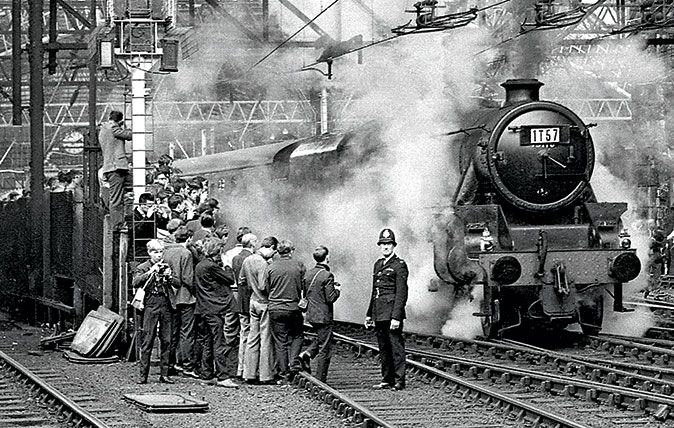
(163, 272)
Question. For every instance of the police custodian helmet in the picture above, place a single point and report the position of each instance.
(387, 236)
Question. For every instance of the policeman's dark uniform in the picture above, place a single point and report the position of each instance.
(389, 296)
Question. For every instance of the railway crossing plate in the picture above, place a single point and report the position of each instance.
(166, 402)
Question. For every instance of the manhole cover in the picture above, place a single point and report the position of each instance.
(166, 402)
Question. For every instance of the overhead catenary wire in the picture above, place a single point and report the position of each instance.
(292, 36)
(377, 42)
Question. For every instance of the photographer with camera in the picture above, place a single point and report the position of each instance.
(156, 300)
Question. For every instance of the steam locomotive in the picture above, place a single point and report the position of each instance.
(524, 222)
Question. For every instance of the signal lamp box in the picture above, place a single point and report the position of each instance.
(169, 58)
(138, 36)
(156, 9)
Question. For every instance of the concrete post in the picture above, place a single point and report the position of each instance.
(138, 123)
(107, 263)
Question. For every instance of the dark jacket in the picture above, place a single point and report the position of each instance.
(284, 282)
(182, 267)
(111, 138)
(243, 300)
(214, 295)
(389, 290)
(321, 294)
(151, 283)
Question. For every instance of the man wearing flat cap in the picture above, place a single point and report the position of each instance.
(386, 311)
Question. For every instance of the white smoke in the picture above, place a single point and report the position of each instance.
(461, 323)
(415, 88)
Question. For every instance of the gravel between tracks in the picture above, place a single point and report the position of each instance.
(249, 405)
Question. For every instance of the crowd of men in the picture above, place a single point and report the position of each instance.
(235, 314)
(225, 316)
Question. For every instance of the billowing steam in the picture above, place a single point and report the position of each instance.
(414, 89)
(461, 323)
(620, 147)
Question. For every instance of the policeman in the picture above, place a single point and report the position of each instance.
(387, 311)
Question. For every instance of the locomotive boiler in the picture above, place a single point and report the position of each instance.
(525, 223)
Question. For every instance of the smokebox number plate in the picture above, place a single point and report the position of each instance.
(544, 135)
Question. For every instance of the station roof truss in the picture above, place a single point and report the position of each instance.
(583, 24)
(596, 19)
(181, 112)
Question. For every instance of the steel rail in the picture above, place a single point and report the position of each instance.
(339, 402)
(632, 370)
(658, 404)
(621, 345)
(74, 410)
(538, 416)
(508, 350)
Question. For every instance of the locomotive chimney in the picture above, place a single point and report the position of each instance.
(521, 90)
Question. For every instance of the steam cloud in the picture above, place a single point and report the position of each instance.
(415, 88)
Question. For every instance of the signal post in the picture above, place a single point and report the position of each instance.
(134, 42)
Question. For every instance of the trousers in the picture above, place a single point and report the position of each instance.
(286, 327)
(157, 311)
(320, 349)
(183, 337)
(259, 356)
(220, 345)
(244, 321)
(120, 180)
(391, 352)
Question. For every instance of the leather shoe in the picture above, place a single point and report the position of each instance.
(382, 385)
(191, 373)
(399, 386)
(305, 362)
(166, 380)
(227, 383)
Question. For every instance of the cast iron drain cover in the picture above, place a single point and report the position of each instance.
(166, 402)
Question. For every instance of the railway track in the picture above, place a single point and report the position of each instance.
(432, 397)
(28, 399)
(605, 382)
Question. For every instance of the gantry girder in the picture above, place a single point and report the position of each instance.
(183, 112)
(67, 88)
(602, 17)
(267, 112)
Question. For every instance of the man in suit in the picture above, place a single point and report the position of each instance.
(183, 334)
(111, 137)
(386, 311)
(220, 323)
(322, 292)
(155, 277)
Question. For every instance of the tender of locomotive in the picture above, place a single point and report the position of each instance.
(525, 223)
